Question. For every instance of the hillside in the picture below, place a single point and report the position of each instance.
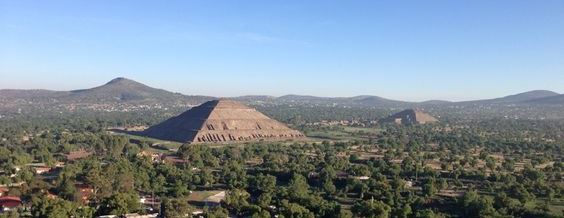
(363, 100)
(516, 98)
(122, 90)
(119, 94)
(551, 100)
(122, 94)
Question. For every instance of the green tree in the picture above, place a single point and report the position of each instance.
(293, 210)
(237, 200)
(371, 208)
(298, 187)
(429, 188)
(477, 206)
(175, 208)
(44, 207)
(427, 213)
(263, 184)
(119, 204)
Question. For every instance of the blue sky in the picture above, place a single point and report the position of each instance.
(407, 50)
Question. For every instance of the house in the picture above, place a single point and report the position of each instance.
(155, 157)
(206, 198)
(362, 177)
(149, 200)
(131, 215)
(8, 203)
(408, 184)
(51, 195)
(3, 190)
(85, 191)
(175, 160)
(41, 170)
(136, 215)
(76, 155)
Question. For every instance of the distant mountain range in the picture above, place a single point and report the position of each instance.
(525, 97)
(126, 91)
(119, 90)
(536, 97)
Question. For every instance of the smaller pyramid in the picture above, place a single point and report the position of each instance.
(410, 116)
(221, 121)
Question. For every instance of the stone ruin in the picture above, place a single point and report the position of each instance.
(410, 116)
(221, 121)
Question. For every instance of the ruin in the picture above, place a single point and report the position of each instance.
(410, 116)
(221, 121)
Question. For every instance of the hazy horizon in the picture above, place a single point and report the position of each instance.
(305, 94)
(412, 51)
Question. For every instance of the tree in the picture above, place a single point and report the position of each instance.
(264, 199)
(236, 199)
(502, 201)
(429, 188)
(329, 187)
(175, 208)
(360, 188)
(293, 210)
(100, 183)
(234, 175)
(67, 190)
(403, 211)
(298, 187)
(261, 214)
(217, 212)
(477, 206)
(345, 214)
(119, 204)
(44, 207)
(179, 189)
(427, 213)
(371, 208)
(263, 184)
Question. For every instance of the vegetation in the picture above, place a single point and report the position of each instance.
(458, 168)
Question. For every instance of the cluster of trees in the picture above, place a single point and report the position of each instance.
(303, 114)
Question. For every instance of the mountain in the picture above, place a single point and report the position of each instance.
(435, 102)
(122, 90)
(254, 98)
(362, 100)
(29, 94)
(124, 94)
(368, 100)
(550, 100)
(525, 96)
(119, 94)
(517, 98)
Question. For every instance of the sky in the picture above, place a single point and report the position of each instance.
(404, 50)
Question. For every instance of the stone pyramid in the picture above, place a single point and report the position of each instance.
(410, 116)
(221, 121)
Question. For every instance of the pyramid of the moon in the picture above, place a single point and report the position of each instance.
(410, 116)
(221, 121)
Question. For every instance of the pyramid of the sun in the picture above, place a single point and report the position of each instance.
(410, 116)
(221, 121)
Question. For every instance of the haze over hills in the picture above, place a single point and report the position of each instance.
(361, 100)
(550, 100)
(517, 98)
(119, 90)
(122, 91)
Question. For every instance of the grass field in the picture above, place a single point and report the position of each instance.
(342, 133)
(166, 145)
